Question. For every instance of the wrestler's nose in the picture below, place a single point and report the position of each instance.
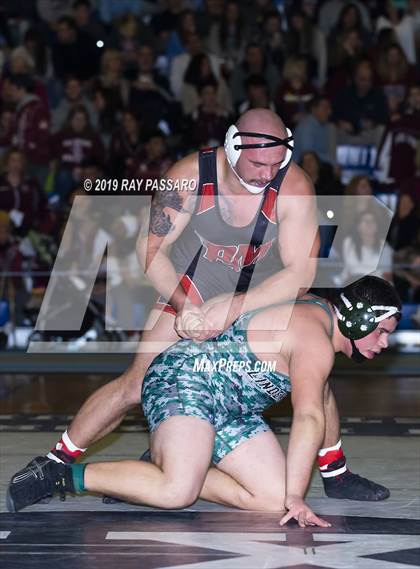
(383, 340)
(267, 173)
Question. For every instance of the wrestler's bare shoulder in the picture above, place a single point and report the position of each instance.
(301, 336)
(221, 155)
(310, 332)
(185, 172)
(297, 182)
(289, 321)
(186, 167)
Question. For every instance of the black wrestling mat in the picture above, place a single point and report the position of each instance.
(203, 540)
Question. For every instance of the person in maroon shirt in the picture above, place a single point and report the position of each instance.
(125, 143)
(74, 144)
(296, 92)
(398, 150)
(153, 162)
(21, 196)
(31, 129)
(395, 77)
(210, 121)
(18, 64)
(12, 288)
(6, 127)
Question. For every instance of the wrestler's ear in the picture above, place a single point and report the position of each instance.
(231, 141)
(289, 151)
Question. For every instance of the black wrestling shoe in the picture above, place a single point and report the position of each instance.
(145, 457)
(349, 486)
(40, 479)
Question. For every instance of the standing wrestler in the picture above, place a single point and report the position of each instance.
(201, 412)
(238, 202)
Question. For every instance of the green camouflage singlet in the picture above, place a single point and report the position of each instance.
(220, 381)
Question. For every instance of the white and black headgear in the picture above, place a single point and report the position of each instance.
(361, 306)
(234, 147)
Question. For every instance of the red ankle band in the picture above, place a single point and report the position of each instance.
(330, 456)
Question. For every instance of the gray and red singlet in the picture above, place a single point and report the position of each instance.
(213, 257)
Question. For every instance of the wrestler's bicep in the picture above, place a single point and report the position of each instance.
(309, 370)
(169, 214)
(298, 237)
(166, 221)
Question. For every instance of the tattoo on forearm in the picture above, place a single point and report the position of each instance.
(168, 199)
(160, 223)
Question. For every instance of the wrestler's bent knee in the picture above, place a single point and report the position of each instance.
(130, 384)
(269, 503)
(175, 497)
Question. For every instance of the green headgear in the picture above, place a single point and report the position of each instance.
(357, 319)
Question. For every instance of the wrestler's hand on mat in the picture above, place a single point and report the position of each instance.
(220, 311)
(302, 513)
(190, 322)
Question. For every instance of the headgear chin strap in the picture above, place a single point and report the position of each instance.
(356, 355)
(234, 146)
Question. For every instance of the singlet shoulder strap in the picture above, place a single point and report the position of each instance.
(243, 319)
(321, 303)
(207, 168)
(207, 182)
(241, 323)
(267, 213)
(276, 183)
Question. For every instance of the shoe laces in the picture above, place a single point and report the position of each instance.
(353, 477)
(60, 486)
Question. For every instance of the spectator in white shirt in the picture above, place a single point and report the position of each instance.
(179, 64)
(404, 26)
(364, 251)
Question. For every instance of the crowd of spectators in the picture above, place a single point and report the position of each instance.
(117, 89)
